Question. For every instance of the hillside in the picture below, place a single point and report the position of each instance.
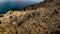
(42, 18)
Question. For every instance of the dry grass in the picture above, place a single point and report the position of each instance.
(42, 20)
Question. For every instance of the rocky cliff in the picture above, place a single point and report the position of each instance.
(42, 18)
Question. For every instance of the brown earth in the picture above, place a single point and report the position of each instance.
(42, 18)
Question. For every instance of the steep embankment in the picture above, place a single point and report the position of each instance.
(43, 18)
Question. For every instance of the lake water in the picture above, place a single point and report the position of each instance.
(6, 5)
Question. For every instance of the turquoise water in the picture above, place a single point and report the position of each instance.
(17, 5)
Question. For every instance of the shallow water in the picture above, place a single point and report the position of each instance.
(6, 5)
